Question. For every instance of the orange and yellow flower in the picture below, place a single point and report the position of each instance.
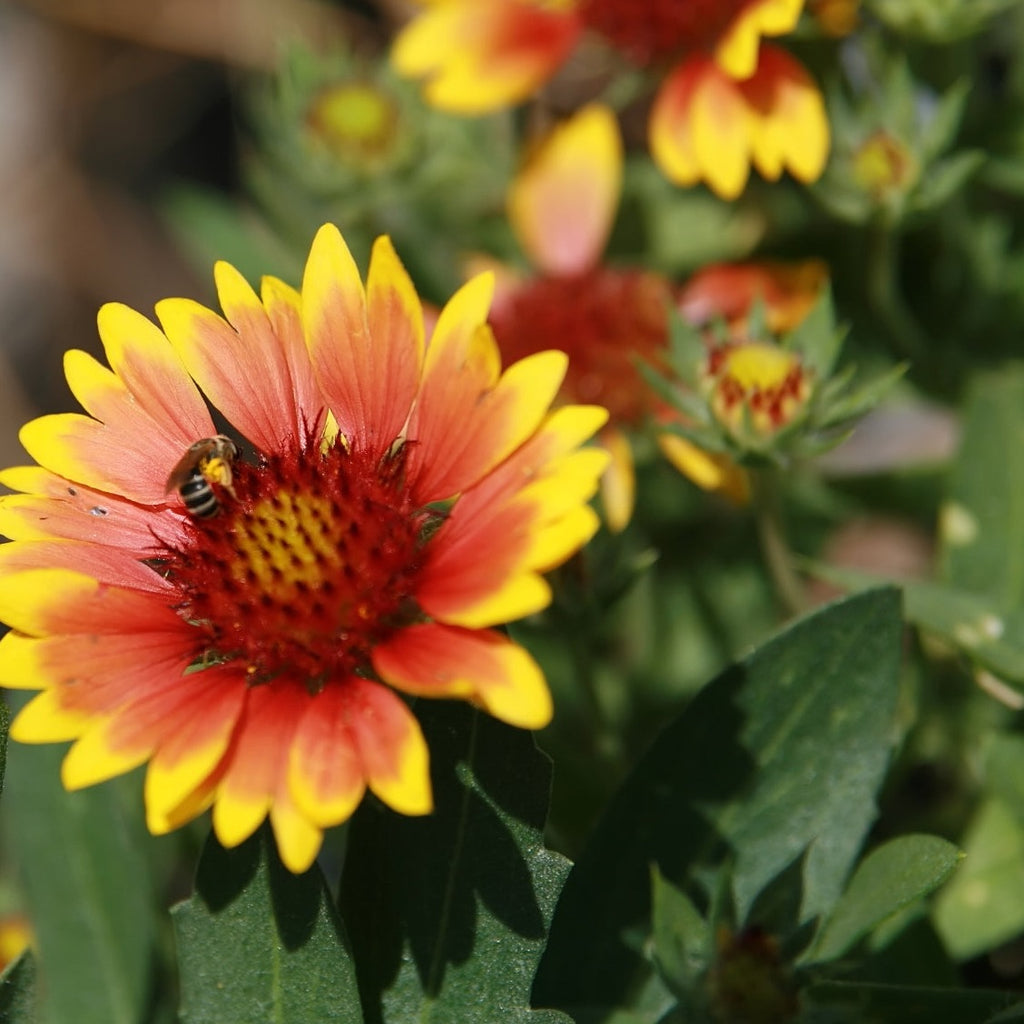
(608, 320)
(727, 101)
(395, 501)
(729, 291)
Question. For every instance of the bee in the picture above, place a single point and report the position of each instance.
(206, 462)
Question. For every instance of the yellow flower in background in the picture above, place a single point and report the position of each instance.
(389, 501)
(727, 100)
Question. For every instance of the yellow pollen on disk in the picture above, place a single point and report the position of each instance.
(289, 540)
(759, 366)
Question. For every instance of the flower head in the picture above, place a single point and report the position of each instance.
(393, 502)
(606, 319)
(727, 101)
(729, 291)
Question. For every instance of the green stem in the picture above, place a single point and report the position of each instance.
(882, 270)
(775, 548)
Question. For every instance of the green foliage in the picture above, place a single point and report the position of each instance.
(449, 914)
(18, 1000)
(87, 892)
(772, 769)
(256, 942)
(887, 880)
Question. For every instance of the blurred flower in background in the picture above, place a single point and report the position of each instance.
(334, 135)
(726, 100)
(608, 319)
(15, 938)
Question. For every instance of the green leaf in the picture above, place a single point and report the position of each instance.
(683, 946)
(943, 179)
(1003, 768)
(982, 544)
(972, 624)
(855, 404)
(257, 943)
(983, 906)
(777, 759)
(816, 339)
(967, 622)
(449, 913)
(836, 1002)
(944, 122)
(18, 1003)
(87, 891)
(888, 879)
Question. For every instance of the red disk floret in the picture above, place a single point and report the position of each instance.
(605, 320)
(307, 566)
(647, 30)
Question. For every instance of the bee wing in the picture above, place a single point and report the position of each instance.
(186, 465)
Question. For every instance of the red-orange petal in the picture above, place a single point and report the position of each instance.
(367, 363)
(222, 354)
(54, 507)
(391, 747)
(469, 419)
(325, 774)
(434, 660)
(187, 754)
(257, 760)
(190, 709)
(108, 565)
(44, 602)
(156, 378)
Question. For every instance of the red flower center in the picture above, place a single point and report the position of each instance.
(310, 562)
(647, 30)
(605, 320)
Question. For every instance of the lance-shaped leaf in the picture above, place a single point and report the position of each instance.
(448, 913)
(87, 891)
(257, 943)
(18, 991)
(837, 1002)
(777, 759)
(887, 880)
(982, 544)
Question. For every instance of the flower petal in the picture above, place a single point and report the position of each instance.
(481, 55)
(325, 774)
(187, 754)
(790, 124)
(156, 378)
(257, 759)
(469, 419)
(42, 602)
(221, 354)
(433, 660)
(707, 470)
(108, 565)
(53, 507)
(700, 128)
(618, 485)
(391, 747)
(367, 363)
(298, 839)
(736, 52)
(562, 203)
(729, 290)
